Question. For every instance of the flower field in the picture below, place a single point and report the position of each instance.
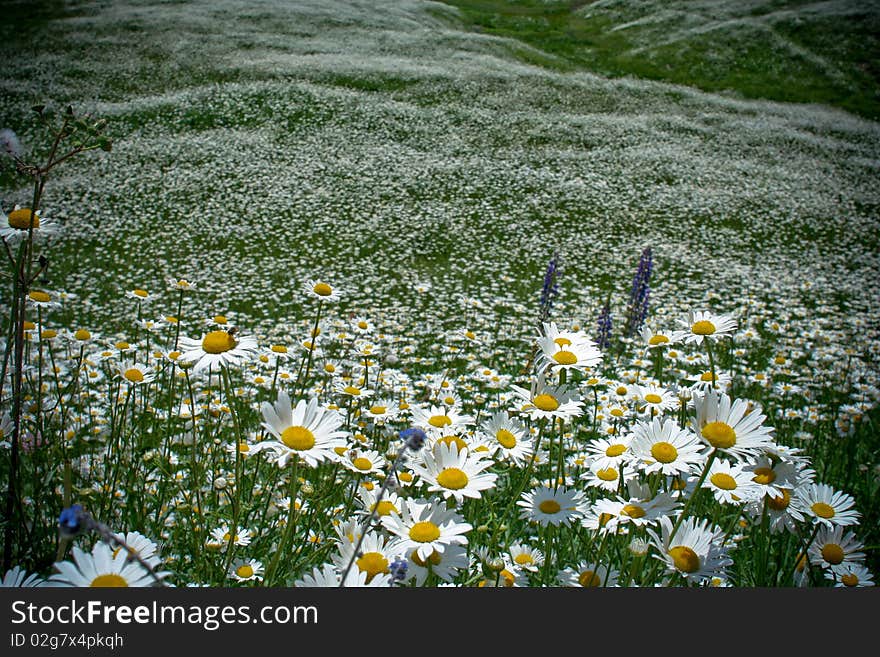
(353, 294)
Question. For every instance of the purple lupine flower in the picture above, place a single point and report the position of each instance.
(603, 331)
(550, 289)
(637, 310)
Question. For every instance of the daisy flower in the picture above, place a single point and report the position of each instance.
(526, 557)
(437, 420)
(388, 504)
(427, 526)
(546, 506)
(321, 290)
(14, 226)
(827, 506)
(18, 577)
(246, 570)
(704, 324)
(610, 452)
(730, 426)
(507, 436)
(605, 478)
(655, 399)
(588, 575)
(549, 402)
(559, 354)
(327, 576)
(851, 575)
(694, 552)
(101, 569)
(445, 565)
(730, 483)
(381, 410)
(375, 554)
(306, 431)
(771, 478)
(363, 461)
(640, 509)
(833, 549)
(136, 374)
(221, 536)
(657, 339)
(663, 446)
(455, 473)
(703, 381)
(216, 348)
(140, 295)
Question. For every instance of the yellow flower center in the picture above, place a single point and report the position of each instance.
(439, 421)
(434, 559)
(608, 474)
(405, 476)
(764, 476)
(523, 559)
(850, 580)
(279, 348)
(565, 357)
(39, 296)
(615, 450)
(832, 553)
(549, 507)
(134, 375)
(48, 334)
(322, 290)
(245, 571)
(781, 502)
(109, 580)
(363, 326)
(452, 478)
(633, 511)
(664, 452)
(362, 463)
(21, 219)
(703, 327)
(424, 532)
(707, 377)
(651, 398)
(506, 438)
(546, 402)
(141, 293)
(823, 510)
(562, 342)
(372, 563)
(352, 390)
(621, 390)
(723, 481)
(453, 440)
(658, 339)
(82, 335)
(589, 578)
(719, 434)
(218, 342)
(385, 508)
(685, 559)
(378, 410)
(298, 438)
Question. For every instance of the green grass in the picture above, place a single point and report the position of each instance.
(793, 56)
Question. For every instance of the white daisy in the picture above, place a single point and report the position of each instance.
(546, 506)
(507, 437)
(663, 446)
(307, 431)
(704, 324)
(455, 473)
(694, 551)
(427, 526)
(731, 426)
(216, 348)
(101, 569)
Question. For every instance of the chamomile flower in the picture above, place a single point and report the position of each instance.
(654, 400)
(305, 431)
(390, 502)
(560, 354)
(730, 426)
(363, 461)
(704, 380)
(546, 506)
(608, 479)
(657, 338)
(246, 570)
(381, 410)
(427, 526)
(694, 552)
(221, 536)
(216, 348)
(771, 478)
(663, 446)
(639, 509)
(102, 569)
(507, 437)
(611, 452)
(439, 420)
(705, 325)
(455, 473)
(444, 565)
(822, 504)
